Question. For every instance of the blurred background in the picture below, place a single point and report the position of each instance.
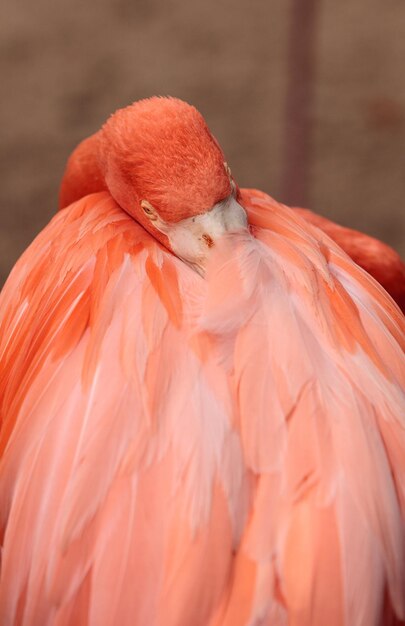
(307, 97)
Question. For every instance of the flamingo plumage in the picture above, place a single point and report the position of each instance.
(202, 403)
(378, 259)
(83, 176)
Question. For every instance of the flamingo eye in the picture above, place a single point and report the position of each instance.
(149, 210)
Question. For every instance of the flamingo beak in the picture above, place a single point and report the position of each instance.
(193, 238)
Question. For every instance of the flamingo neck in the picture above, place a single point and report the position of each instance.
(83, 174)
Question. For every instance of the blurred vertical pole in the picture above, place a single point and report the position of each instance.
(299, 102)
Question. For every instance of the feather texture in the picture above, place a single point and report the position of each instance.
(177, 451)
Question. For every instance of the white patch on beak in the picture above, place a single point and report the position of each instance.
(191, 239)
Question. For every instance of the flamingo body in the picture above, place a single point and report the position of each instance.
(175, 449)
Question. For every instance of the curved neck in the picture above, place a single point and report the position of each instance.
(83, 174)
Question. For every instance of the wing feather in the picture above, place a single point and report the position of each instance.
(328, 342)
(119, 463)
(180, 451)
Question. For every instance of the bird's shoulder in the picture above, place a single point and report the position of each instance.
(372, 255)
(67, 284)
(369, 269)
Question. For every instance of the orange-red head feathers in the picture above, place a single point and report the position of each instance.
(162, 151)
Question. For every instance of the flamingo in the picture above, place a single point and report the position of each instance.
(202, 402)
(83, 176)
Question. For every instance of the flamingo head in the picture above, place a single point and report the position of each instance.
(163, 166)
